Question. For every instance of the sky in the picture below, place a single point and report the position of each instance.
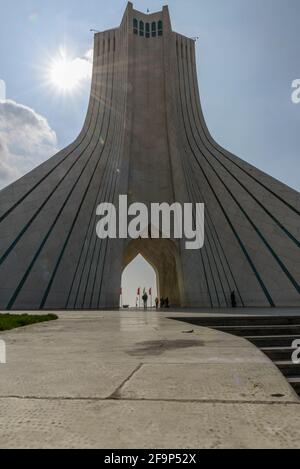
(132, 280)
(248, 55)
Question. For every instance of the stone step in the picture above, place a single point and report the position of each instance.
(288, 368)
(273, 341)
(278, 353)
(274, 335)
(242, 320)
(272, 330)
(295, 383)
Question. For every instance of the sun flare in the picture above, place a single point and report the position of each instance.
(66, 74)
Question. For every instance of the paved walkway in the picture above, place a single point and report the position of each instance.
(140, 380)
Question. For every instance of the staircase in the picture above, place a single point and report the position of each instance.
(273, 335)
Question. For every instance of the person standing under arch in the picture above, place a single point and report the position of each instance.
(145, 300)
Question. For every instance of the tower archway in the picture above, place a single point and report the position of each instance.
(139, 274)
(163, 256)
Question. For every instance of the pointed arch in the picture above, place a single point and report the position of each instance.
(163, 256)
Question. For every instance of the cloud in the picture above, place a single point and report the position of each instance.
(2, 90)
(26, 140)
(82, 66)
(88, 57)
(67, 73)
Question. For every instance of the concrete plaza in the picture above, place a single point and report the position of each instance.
(140, 380)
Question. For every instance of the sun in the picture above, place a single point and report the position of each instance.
(61, 75)
(66, 74)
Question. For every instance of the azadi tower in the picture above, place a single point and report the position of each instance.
(145, 136)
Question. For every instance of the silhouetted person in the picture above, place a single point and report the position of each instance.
(162, 303)
(233, 300)
(145, 300)
(156, 303)
(167, 303)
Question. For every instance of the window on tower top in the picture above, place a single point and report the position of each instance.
(142, 28)
(153, 29)
(147, 30)
(160, 28)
